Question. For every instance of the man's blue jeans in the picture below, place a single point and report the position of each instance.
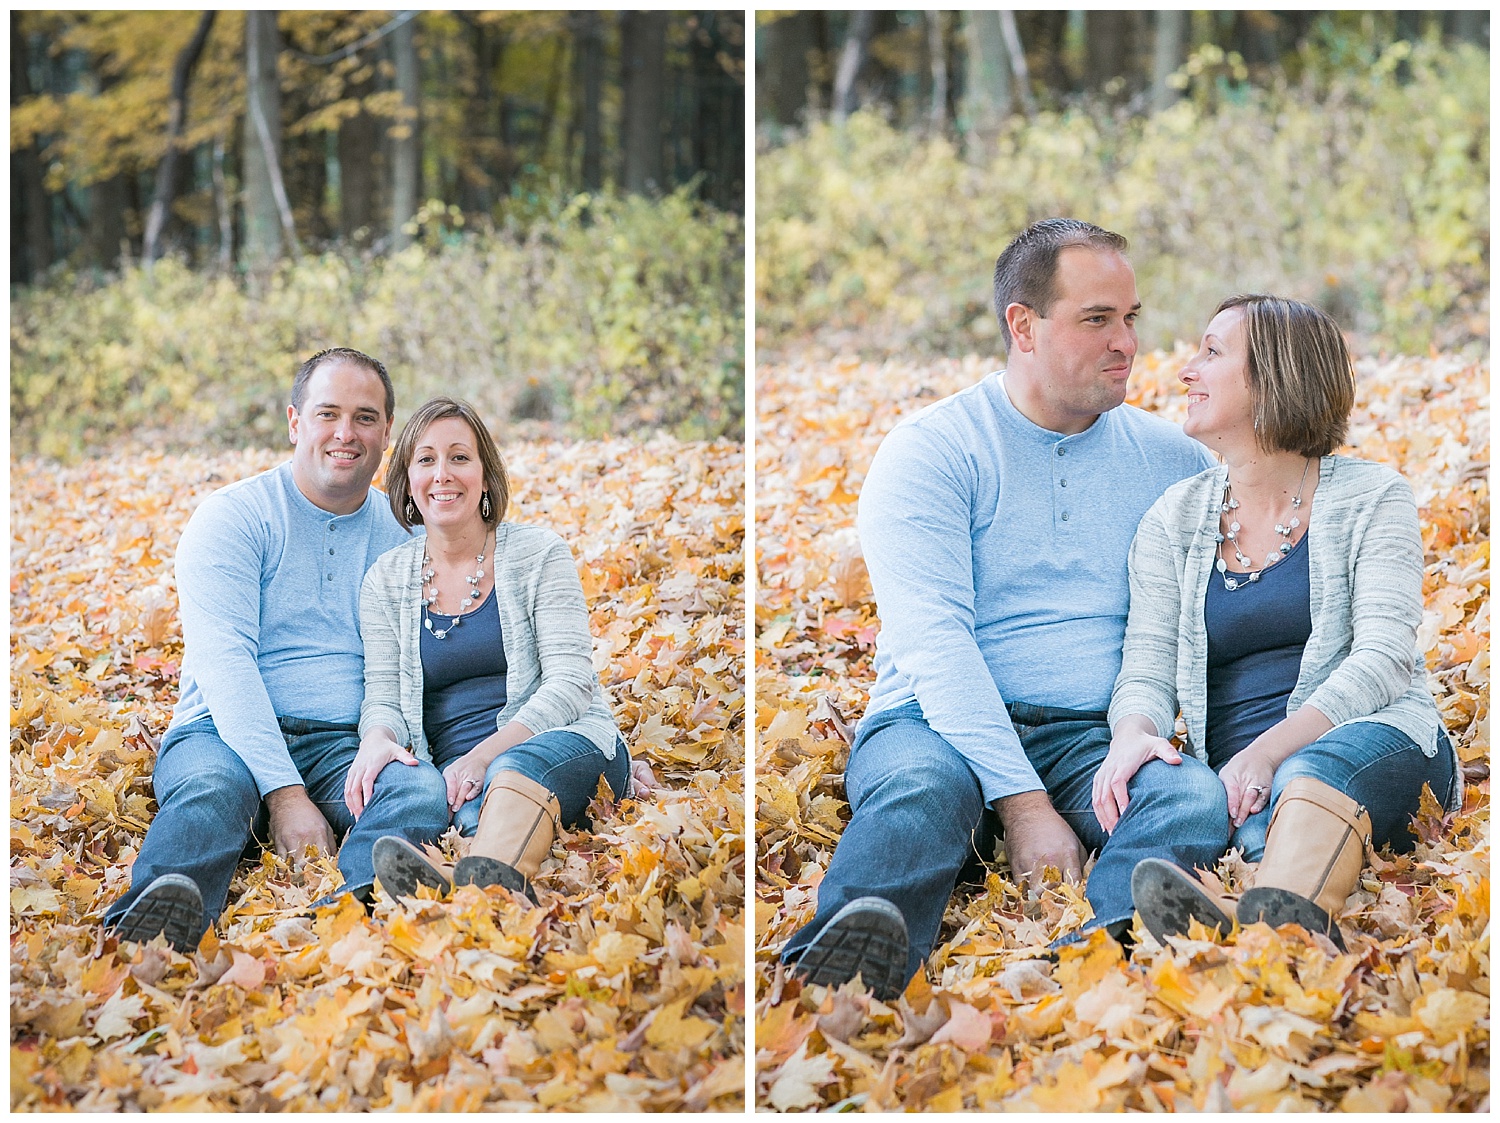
(919, 818)
(567, 764)
(210, 807)
(1375, 765)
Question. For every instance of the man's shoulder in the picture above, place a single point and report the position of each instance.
(248, 503)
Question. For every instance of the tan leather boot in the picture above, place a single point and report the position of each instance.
(516, 825)
(1168, 897)
(1317, 844)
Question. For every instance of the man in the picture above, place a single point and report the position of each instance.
(996, 525)
(269, 571)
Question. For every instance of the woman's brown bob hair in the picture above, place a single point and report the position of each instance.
(398, 489)
(1301, 378)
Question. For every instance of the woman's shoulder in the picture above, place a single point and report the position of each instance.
(1351, 480)
(527, 543)
(398, 561)
(1184, 502)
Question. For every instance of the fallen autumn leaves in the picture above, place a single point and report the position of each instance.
(1262, 1021)
(624, 991)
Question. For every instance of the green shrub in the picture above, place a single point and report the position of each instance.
(611, 314)
(1361, 192)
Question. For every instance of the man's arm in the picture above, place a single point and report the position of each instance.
(218, 588)
(915, 514)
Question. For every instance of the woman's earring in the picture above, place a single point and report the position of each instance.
(411, 510)
(484, 506)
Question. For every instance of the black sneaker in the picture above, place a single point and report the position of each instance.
(170, 906)
(1167, 897)
(401, 867)
(867, 937)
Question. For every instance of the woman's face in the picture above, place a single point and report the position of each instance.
(446, 476)
(1218, 383)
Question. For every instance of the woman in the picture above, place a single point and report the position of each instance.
(1276, 600)
(478, 656)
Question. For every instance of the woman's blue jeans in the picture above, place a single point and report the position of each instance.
(566, 764)
(919, 818)
(1376, 765)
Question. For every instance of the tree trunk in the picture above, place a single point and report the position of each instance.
(987, 96)
(937, 62)
(1110, 48)
(788, 42)
(31, 226)
(406, 153)
(851, 60)
(106, 228)
(1017, 56)
(644, 45)
(1168, 55)
(588, 76)
(166, 171)
(265, 222)
(359, 168)
(1471, 25)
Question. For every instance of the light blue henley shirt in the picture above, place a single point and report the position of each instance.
(269, 585)
(997, 551)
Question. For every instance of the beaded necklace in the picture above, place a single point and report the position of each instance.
(1231, 535)
(430, 594)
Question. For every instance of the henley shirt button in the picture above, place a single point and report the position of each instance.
(331, 526)
(1060, 483)
(330, 576)
(1065, 516)
(1061, 451)
(330, 549)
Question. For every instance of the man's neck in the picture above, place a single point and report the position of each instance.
(1032, 402)
(331, 505)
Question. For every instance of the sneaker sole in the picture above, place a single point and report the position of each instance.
(172, 908)
(475, 869)
(866, 938)
(1168, 899)
(1279, 906)
(401, 867)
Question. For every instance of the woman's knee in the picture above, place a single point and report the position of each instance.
(419, 787)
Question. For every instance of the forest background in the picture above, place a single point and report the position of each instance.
(1336, 157)
(539, 211)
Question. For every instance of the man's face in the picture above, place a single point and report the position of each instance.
(339, 436)
(1085, 344)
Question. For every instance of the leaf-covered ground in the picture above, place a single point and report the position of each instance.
(1261, 1021)
(624, 991)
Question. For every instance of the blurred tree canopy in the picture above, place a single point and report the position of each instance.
(958, 70)
(260, 134)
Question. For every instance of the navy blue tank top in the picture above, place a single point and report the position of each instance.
(1256, 634)
(463, 681)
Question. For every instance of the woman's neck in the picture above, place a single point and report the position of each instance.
(452, 545)
(1271, 478)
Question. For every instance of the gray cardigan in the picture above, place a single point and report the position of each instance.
(550, 681)
(1365, 568)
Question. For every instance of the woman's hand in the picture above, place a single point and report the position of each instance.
(642, 779)
(1247, 782)
(376, 750)
(465, 778)
(1132, 747)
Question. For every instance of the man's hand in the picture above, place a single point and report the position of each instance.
(296, 824)
(1036, 837)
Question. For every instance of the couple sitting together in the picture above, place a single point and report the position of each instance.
(1058, 575)
(343, 678)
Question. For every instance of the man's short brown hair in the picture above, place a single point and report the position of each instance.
(1026, 270)
(398, 486)
(1301, 377)
(342, 355)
